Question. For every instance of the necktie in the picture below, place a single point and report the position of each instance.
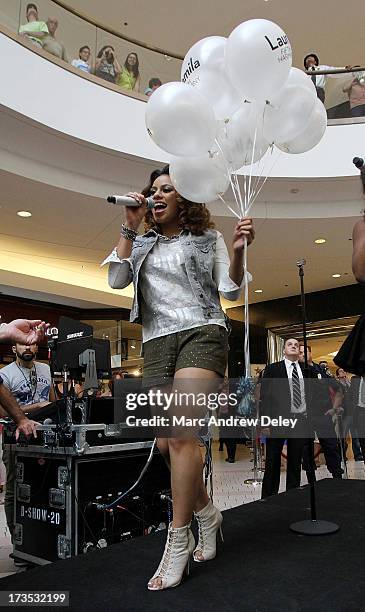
(313, 77)
(297, 395)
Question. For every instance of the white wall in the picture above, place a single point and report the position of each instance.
(52, 96)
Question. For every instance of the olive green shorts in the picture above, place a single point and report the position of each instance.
(201, 347)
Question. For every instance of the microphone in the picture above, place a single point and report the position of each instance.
(358, 162)
(127, 201)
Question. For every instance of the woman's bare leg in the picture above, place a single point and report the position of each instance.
(202, 496)
(188, 490)
(186, 464)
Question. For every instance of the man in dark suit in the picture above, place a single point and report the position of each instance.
(283, 394)
(327, 398)
(355, 408)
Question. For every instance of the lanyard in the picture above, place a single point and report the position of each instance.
(31, 381)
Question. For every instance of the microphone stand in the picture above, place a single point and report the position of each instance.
(311, 526)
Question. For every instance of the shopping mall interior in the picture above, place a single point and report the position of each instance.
(71, 135)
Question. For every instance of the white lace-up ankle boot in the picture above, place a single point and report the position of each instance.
(175, 559)
(209, 521)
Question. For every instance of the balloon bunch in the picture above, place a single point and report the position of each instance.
(238, 97)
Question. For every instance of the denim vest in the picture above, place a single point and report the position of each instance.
(199, 254)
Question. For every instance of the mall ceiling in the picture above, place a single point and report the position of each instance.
(333, 29)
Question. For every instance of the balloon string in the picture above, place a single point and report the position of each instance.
(266, 177)
(229, 174)
(261, 162)
(228, 206)
(246, 348)
(233, 187)
(246, 189)
(243, 205)
(261, 166)
(262, 180)
(252, 158)
(238, 189)
(260, 173)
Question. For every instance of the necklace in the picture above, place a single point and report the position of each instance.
(31, 381)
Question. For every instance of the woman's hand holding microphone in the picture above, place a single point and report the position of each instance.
(134, 214)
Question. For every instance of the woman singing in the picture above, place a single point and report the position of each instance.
(178, 267)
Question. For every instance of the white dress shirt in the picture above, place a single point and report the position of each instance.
(321, 78)
(289, 370)
(361, 401)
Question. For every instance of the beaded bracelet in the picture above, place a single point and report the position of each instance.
(128, 233)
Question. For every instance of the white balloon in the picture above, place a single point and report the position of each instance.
(289, 110)
(241, 138)
(200, 179)
(180, 120)
(258, 58)
(220, 94)
(206, 53)
(298, 78)
(204, 69)
(311, 135)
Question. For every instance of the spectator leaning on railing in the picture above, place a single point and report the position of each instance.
(130, 77)
(153, 84)
(34, 30)
(311, 63)
(106, 65)
(83, 62)
(356, 93)
(51, 44)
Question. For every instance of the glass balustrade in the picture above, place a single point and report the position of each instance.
(132, 65)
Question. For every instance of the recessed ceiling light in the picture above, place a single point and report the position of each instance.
(320, 240)
(294, 190)
(24, 213)
(336, 275)
(258, 291)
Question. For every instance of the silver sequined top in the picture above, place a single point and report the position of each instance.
(163, 277)
(168, 304)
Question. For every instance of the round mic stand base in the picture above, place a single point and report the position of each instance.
(253, 481)
(308, 527)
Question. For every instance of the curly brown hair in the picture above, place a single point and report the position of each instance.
(193, 217)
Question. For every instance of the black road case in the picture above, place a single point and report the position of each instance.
(61, 500)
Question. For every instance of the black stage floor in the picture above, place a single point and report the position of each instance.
(261, 567)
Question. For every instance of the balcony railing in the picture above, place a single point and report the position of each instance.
(75, 31)
(108, 64)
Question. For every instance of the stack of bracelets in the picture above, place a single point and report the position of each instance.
(128, 233)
